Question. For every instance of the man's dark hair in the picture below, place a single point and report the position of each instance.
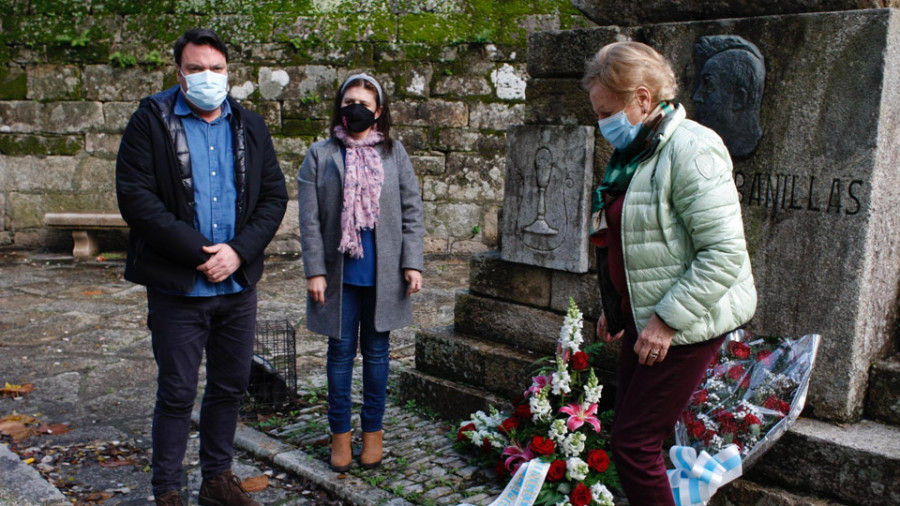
(201, 37)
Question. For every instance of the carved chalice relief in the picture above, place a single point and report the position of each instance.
(543, 165)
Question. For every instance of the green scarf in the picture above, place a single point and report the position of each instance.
(623, 163)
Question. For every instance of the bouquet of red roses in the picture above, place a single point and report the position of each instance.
(555, 423)
(753, 390)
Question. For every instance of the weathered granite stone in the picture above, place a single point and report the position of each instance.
(415, 81)
(26, 144)
(116, 116)
(102, 82)
(71, 117)
(549, 176)
(856, 464)
(425, 390)
(310, 107)
(413, 138)
(629, 12)
(492, 277)
(743, 491)
(431, 113)
(557, 101)
(451, 219)
(468, 246)
(272, 82)
(13, 83)
(499, 369)
(54, 82)
(96, 175)
(883, 400)
(429, 164)
(468, 177)
(495, 116)
(509, 81)
(461, 86)
(546, 60)
(241, 81)
(31, 173)
(28, 209)
(102, 144)
(583, 288)
(20, 116)
(524, 327)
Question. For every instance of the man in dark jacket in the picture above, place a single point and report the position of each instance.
(201, 189)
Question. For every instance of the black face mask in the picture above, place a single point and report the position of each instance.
(356, 117)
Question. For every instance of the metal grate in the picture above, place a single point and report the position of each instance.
(273, 373)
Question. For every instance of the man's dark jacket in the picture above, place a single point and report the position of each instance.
(156, 197)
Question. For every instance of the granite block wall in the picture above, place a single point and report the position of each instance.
(72, 72)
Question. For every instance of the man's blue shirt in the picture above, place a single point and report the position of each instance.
(212, 171)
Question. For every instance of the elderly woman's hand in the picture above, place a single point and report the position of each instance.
(653, 343)
(603, 331)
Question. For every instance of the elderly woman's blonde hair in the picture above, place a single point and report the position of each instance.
(623, 66)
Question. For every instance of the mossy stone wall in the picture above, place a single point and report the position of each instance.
(72, 72)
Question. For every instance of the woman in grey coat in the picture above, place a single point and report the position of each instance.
(361, 230)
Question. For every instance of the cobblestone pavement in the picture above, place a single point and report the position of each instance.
(75, 330)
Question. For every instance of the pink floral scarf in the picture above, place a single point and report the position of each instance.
(363, 179)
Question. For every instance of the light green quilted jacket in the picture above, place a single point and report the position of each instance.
(683, 238)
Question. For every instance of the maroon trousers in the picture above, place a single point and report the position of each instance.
(649, 400)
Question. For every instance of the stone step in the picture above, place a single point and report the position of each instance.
(498, 368)
(857, 463)
(451, 401)
(520, 326)
(883, 399)
(747, 493)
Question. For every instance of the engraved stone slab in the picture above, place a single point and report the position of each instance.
(549, 174)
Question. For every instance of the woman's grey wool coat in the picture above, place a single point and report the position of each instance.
(399, 235)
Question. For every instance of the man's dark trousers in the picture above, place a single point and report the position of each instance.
(182, 328)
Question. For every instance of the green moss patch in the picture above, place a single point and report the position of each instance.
(13, 83)
(22, 145)
(303, 127)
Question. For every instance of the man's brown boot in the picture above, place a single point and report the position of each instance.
(341, 453)
(170, 498)
(224, 490)
(372, 449)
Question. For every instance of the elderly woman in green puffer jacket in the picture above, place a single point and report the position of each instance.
(675, 273)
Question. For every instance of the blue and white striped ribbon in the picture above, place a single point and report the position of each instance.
(523, 488)
(697, 477)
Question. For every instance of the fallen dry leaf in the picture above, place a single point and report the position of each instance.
(16, 417)
(118, 463)
(255, 484)
(91, 293)
(16, 390)
(16, 430)
(56, 428)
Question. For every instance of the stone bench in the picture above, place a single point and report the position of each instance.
(82, 226)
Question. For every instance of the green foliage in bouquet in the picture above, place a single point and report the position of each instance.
(555, 420)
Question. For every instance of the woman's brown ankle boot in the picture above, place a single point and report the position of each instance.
(372, 449)
(341, 453)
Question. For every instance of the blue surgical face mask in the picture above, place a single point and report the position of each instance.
(206, 90)
(618, 131)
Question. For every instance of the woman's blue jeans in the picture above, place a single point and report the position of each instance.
(357, 326)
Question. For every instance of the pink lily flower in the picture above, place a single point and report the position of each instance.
(516, 457)
(537, 383)
(578, 416)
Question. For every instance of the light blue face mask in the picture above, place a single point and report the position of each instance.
(618, 131)
(206, 90)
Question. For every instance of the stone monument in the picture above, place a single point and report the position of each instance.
(818, 191)
(548, 180)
